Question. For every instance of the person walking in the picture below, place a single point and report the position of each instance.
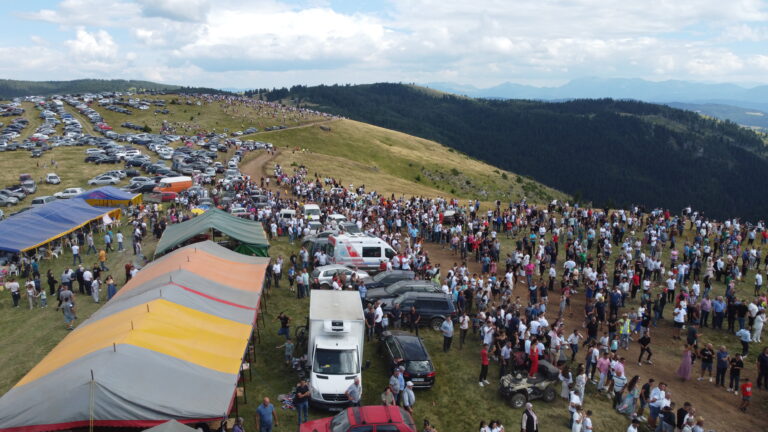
(266, 416)
(483, 366)
(645, 348)
(76, 259)
(301, 401)
(103, 260)
(684, 371)
(631, 395)
(745, 338)
(447, 328)
(529, 421)
(746, 394)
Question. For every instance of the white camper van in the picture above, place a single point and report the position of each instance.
(358, 250)
(335, 348)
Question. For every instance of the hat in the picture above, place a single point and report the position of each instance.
(409, 384)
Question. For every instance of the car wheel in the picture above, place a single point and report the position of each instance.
(549, 394)
(113, 183)
(517, 400)
(435, 323)
(325, 286)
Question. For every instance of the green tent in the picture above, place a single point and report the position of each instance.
(250, 235)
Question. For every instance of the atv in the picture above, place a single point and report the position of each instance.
(518, 388)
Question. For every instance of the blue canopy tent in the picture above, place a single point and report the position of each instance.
(42, 225)
(110, 196)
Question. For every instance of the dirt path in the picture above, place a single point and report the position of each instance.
(718, 408)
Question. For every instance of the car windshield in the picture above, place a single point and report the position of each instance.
(340, 422)
(418, 367)
(312, 212)
(336, 362)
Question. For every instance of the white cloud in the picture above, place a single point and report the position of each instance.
(482, 42)
(93, 50)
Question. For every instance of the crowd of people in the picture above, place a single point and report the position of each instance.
(623, 266)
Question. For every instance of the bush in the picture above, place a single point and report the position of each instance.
(455, 172)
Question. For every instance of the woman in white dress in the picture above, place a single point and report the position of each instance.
(578, 417)
(566, 379)
(580, 383)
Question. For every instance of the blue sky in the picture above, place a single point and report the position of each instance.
(265, 43)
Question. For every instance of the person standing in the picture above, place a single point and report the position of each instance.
(301, 401)
(414, 319)
(354, 392)
(409, 399)
(737, 364)
(746, 394)
(103, 260)
(707, 356)
(723, 360)
(757, 327)
(656, 402)
(529, 421)
(463, 328)
(266, 416)
(394, 383)
(447, 328)
(285, 328)
(684, 371)
(111, 287)
(745, 338)
(762, 369)
(13, 287)
(586, 423)
(573, 340)
(76, 259)
(483, 366)
(645, 396)
(534, 358)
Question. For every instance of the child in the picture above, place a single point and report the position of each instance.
(291, 277)
(746, 394)
(615, 344)
(43, 299)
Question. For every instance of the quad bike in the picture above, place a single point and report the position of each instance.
(518, 388)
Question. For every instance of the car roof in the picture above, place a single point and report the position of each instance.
(413, 282)
(412, 346)
(432, 295)
(374, 414)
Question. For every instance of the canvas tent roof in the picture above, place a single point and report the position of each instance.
(46, 223)
(109, 196)
(160, 350)
(245, 231)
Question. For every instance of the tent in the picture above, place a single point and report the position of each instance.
(41, 225)
(171, 426)
(110, 196)
(170, 345)
(250, 234)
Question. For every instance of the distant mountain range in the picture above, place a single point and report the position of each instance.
(623, 88)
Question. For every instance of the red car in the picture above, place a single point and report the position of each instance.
(374, 418)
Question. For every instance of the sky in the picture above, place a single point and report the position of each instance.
(273, 43)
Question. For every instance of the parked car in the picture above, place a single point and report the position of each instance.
(518, 388)
(434, 308)
(103, 180)
(29, 186)
(406, 349)
(323, 276)
(387, 278)
(69, 193)
(7, 201)
(401, 287)
(42, 200)
(364, 419)
(52, 178)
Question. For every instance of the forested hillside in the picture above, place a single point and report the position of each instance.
(606, 151)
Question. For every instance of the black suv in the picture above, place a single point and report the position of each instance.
(389, 277)
(401, 287)
(407, 350)
(433, 308)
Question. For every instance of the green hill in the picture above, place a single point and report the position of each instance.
(613, 153)
(14, 88)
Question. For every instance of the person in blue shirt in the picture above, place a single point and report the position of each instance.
(447, 328)
(718, 308)
(267, 416)
(723, 360)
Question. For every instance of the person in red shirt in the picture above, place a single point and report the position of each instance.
(484, 366)
(746, 394)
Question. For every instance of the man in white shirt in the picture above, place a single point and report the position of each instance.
(679, 320)
(656, 402)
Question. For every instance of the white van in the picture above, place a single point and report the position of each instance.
(361, 251)
(287, 214)
(335, 219)
(312, 212)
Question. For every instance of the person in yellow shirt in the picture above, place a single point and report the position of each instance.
(103, 260)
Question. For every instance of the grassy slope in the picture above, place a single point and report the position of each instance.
(394, 162)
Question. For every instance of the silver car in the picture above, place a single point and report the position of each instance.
(323, 276)
(103, 180)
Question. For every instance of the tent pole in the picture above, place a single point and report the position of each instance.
(90, 403)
